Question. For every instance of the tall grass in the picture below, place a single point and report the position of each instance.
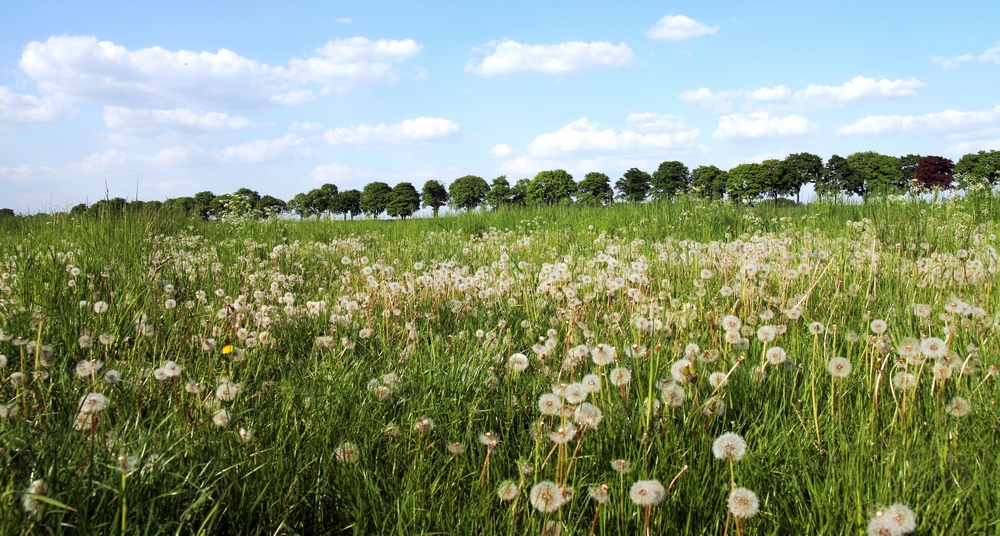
(311, 316)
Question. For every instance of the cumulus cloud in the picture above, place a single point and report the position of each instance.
(419, 131)
(278, 149)
(951, 63)
(343, 20)
(179, 156)
(26, 111)
(186, 119)
(948, 122)
(22, 172)
(101, 161)
(991, 56)
(584, 136)
(855, 91)
(760, 125)
(510, 58)
(679, 28)
(653, 122)
(83, 68)
(306, 126)
(501, 150)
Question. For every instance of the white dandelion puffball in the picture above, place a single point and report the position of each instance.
(518, 362)
(550, 404)
(776, 355)
(221, 417)
(743, 503)
(647, 492)
(508, 490)
(347, 452)
(729, 446)
(602, 354)
(959, 407)
(839, 367)
(546, 496)
(620, 376)
(903, 516)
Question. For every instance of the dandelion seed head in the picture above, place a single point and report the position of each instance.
(959, 407)
(621, 466)
(839, 367)
(729, 446)
(673, 395)
(508, 490)
(647, 492)
(620, 376)
(903, 516)
(518, 362)
(347, 452)
(776, 355)
(220, 418)
(546, 496)
(743, 503)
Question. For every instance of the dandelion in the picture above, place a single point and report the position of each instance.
(100, 307)
(619, 376)
(32, 505)
(423, 425)
(731, 323)
(729, 446)
(673, 395)
(766, 334)
(878, 326)
(365, 333)
(921, 310)
(621, 467)
(170, 304)
(546, 496)
(839, 367)
(246, 435)
(599, 494)
(227, 391)
(488, 440)
(602, 354)
(508, 490)
(716, 379)
(933, 348)
(88, 367)
(562, 435)
(903, 516)
(588, 415)
(647, 492)
(904, 381)
(682, 371)
(518, 362)
(112, 377)
(456, 448)
(743, 503)
(160, 374)
(92, 403)
(776, 355)
(959, 407)
(194, 387)
(733, 337)
(347, 452)
(85, 341)
(575, 393)
(592, 382)
(883, 526)
(171, 369)
(221, 418)
(817, 328)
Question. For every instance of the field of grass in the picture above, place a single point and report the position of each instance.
(550, 371)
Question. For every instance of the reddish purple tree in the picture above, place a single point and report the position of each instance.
(934, 172)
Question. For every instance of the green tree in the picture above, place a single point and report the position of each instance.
(983, 166)
(594, 189)
(837, 178)
(435, 195)
(908, 166)
(271, 206)
(500, 192)
(468, 192)
(375, 197)
(323, 199)
(347, 203)
(404, 201)
(799, 169)
(519, 192)
(880, 174)
(633, 186)
(300, 205)
(551, 187)
(669, 179)
(747, 182)
(708, 182)
(203, 202)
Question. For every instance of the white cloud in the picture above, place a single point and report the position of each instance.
(679, 28)
(306, 126)
(25, 111)
(179, 156)
(510, 58)
(948, 122)
(653, 122)
(419, 131)
(855, 91)
(951, 63)
(187, 119)
(344, 20)
(991, 56)
(501, 150)
(102, 161)
(583, 136)
(83, 68)
(22, 172)
(760, 125)
(338, 174)
(278, 149)
(966, 147)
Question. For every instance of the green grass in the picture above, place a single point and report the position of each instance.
(823, 456)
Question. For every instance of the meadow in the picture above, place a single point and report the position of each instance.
(692, 367)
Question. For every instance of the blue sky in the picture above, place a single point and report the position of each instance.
(158, 100)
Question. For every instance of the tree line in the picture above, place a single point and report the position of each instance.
(862, 174)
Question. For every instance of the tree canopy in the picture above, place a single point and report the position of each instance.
(669, 179)
(434, 195)
(594, 189)
(468, 192)
(633, 186)
(375, 198)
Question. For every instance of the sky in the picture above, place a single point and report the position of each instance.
(150, 101)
